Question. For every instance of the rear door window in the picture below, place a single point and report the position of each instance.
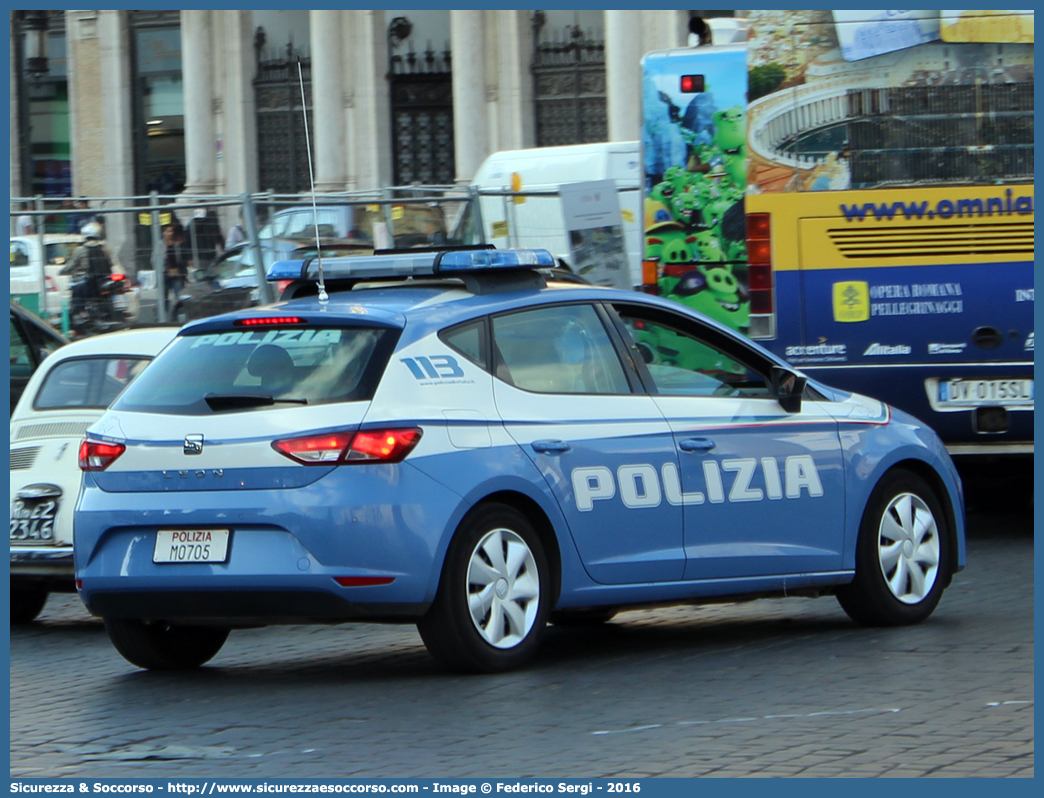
(241, 370)
(557, 349)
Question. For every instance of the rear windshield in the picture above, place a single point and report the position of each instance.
(239, 371)
(87, 382)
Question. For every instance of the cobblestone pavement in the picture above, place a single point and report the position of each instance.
(767, 688)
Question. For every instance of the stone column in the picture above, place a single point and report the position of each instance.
(470, 126)
(623, 78)
(239, 113)
(117, 179)
(16, 148)
(197, 70)
(516, 110)
(367, 100)
(328, 117)
(663, 30)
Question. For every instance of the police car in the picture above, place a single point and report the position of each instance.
(447, 439)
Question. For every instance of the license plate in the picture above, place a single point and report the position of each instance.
(191, 545)
(33, 521)
(973, 393)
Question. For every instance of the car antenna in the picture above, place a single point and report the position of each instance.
(323, 296)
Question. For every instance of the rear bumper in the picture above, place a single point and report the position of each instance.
(247, 606)
(43, 566)
(285, 552)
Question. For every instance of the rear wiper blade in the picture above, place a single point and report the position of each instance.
(236, 401)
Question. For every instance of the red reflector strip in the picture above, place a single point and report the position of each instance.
(363, 581)
(271, 321)
(79, 584)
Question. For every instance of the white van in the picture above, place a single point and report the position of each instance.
(537, 221)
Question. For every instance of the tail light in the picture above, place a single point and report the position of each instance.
(341, 448)
(760, 276)
(271, 321)
(97, 456)
(384, 446)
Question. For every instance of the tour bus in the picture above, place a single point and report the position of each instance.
(854, 190)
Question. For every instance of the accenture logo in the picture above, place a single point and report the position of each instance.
(876, 350)
(816, 349)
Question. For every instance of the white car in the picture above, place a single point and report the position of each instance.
(67, 393)
(30, 264)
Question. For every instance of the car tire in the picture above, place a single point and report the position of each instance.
(26, 604)
(162, 646)
(902, 554)
(494, 594)
(594, 616)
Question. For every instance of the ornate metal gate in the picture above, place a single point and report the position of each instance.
(569, 86)
(282, 157)
(422, 117)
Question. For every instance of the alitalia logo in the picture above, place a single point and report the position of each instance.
(876, 350)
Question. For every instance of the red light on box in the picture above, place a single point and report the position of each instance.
(691, 84)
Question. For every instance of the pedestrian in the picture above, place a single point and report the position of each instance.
(76, 221)
(24, 225)
(236, 234)
(175, 258)
(205, 240)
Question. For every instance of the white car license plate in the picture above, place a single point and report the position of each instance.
(973, 393)
(191, 545)
(33, 521)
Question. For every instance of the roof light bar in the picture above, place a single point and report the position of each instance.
(421, 264)
(483, 259)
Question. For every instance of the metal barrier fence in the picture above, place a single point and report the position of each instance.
(198, 269)
(206, 272)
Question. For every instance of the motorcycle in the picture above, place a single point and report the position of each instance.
(98, 305)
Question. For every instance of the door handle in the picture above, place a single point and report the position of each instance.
(550, 447)
(696, 445)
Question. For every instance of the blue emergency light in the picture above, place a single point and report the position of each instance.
(419, 264)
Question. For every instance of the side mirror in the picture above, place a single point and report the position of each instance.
(199, 275)
(788, 387)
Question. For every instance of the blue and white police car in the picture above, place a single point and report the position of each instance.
(448, 439)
